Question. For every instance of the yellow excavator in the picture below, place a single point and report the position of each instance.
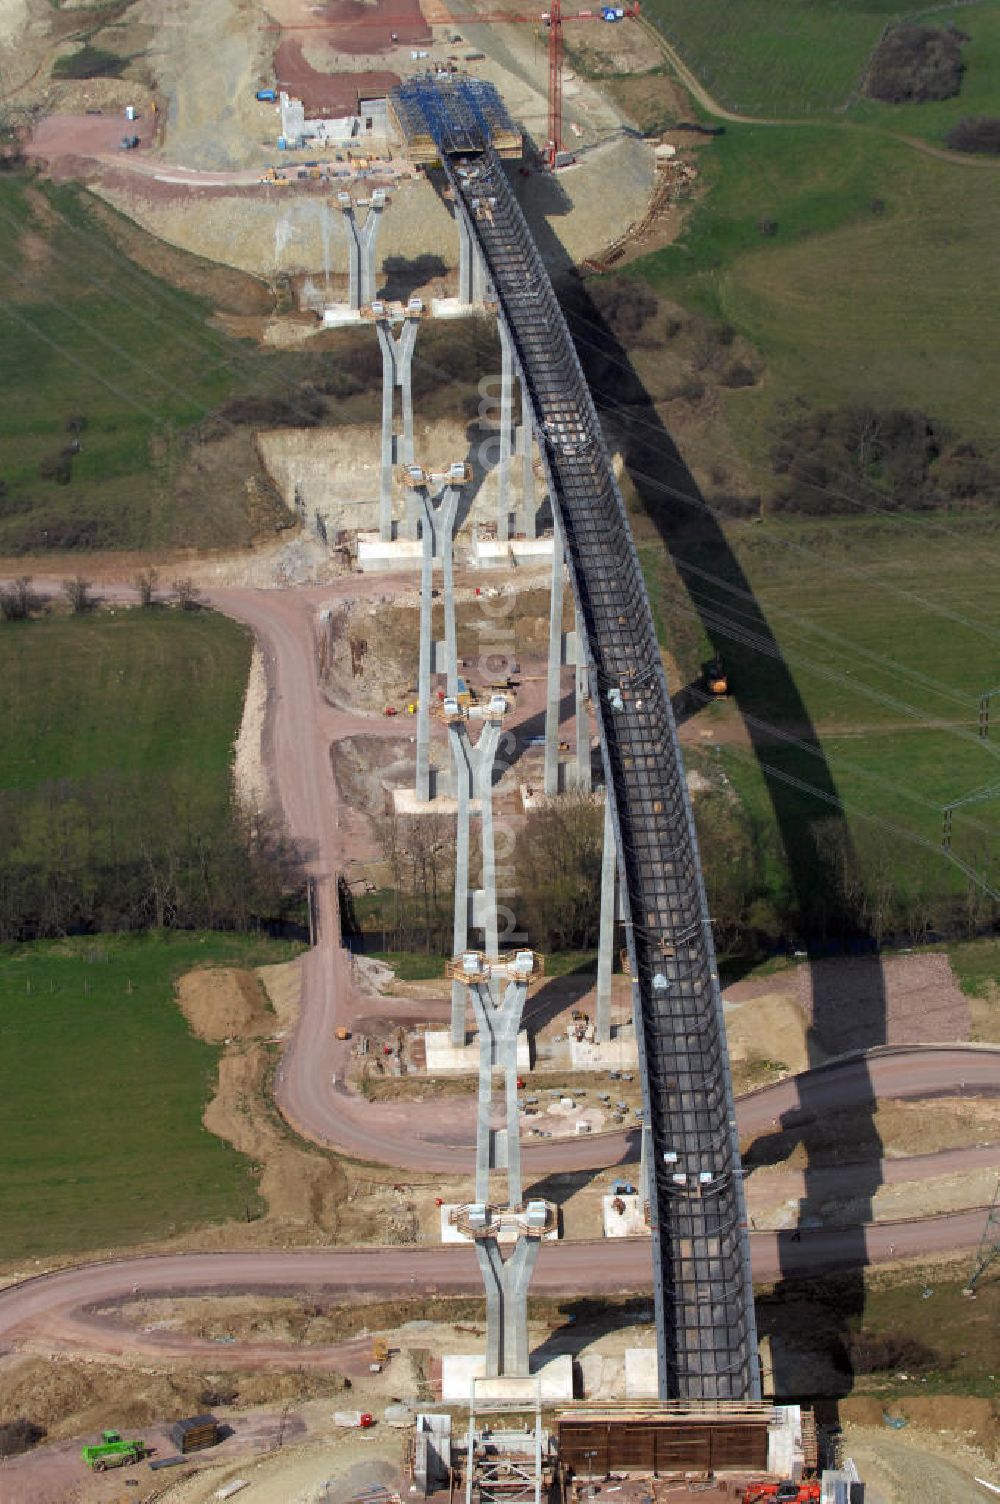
(716, 678)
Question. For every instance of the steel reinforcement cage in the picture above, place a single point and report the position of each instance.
(706, 1331)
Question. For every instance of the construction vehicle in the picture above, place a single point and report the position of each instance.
(113, 1451)
(128, 143)
(786, 1492)
(380, 1350)
(716, 678)
(341, 1033)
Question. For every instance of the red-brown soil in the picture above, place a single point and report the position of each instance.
(326, 93)
(357, 27)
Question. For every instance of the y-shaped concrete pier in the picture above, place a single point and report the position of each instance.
(507, 1285)
(499, 1023)
(473, 779)
(361, 274)
(437, 526)
(397, 369)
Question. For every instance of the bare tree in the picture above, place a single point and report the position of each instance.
(187, 593)
(144, 584)
(77, 593)
(18, 601)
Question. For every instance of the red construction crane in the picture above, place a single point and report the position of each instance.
(553, 19)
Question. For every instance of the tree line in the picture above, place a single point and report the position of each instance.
(864, 889)
(81, 857)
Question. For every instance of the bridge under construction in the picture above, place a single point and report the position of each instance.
(706, 1335)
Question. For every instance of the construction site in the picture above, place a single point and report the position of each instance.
(514, 668)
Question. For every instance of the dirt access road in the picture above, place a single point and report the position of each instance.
(52, 1307)
(428, 1135)
(302, 725)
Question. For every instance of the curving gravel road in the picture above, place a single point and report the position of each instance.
(51, 1307)
(429, 1135)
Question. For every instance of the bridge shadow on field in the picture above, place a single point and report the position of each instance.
(811, 827)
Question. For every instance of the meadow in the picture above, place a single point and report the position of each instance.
(116, 795)
(102, 1089)
(108, 366)
(782, 59)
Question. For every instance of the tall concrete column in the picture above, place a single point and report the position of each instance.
(553, 698)
(528, 523)
(361, 277)
(366, 248)
(498, 1025)
(353, 251)
(464, 783)
(388, 443)
(423, 779)
(487, 756)
(606, 942)
(466, 256)
(437, 527)
(506, 421)
(507, 1304)
(448, 591)
(582, 687)
(647, 1170)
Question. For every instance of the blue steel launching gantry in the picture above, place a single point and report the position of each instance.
(706, 1333)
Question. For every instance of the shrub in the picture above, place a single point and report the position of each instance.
(18, 601)
(57, 467)
(916, 63)
(17, 1436)
(738, 373)
(89, 62)
(837, 459)
(628, 308)
(976, 133)
(878, 1352)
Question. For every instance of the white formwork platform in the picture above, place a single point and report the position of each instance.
(443, 1056)
(459, 1369)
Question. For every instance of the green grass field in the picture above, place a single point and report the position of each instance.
(980, 91)
(107, 341)
(116, 795)
(785, 59)
(889, 635)
(102, 1088)
(775, 57)
(145, 696)
(876, 284)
